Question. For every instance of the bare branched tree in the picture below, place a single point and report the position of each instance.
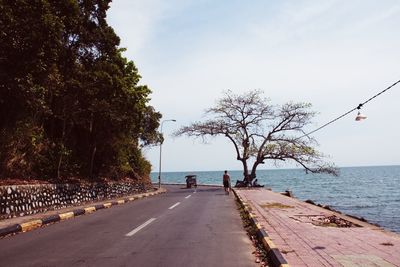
(260, 131)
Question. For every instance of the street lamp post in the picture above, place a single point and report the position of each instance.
(159, 168)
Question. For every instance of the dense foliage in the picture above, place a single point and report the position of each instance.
(70, 103)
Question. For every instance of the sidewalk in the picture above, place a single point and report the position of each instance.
(308, 235)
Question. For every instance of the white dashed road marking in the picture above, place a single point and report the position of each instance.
(173, 206)
(137, 229)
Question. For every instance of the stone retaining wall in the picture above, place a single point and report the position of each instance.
(20, 200)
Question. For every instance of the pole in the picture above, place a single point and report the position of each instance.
(159, 166)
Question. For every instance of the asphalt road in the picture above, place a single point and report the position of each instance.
(184, 227)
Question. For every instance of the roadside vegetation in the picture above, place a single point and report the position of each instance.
(259, 252)
(70, 103)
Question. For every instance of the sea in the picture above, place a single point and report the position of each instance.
(371, 192)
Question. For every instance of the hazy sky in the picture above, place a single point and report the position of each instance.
(334, 54)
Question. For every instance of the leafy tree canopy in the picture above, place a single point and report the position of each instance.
(70, 103)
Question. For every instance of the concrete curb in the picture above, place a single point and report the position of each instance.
(31, 225)
(275, 257)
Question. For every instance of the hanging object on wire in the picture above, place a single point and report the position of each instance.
(360, 116)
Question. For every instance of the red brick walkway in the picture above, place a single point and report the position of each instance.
(297, 230)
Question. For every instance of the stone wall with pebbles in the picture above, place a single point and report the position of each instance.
(20, 200)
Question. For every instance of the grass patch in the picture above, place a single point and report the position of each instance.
(275, 205)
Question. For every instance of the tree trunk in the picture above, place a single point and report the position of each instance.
(59, 165)
(245, 171)
(61, 150)
(253, 173)
(92, 160)
(93, 147)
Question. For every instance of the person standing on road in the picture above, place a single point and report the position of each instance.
(226, 180)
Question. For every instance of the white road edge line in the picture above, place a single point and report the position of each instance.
(137, 229)
(188, 196)
(173, 206)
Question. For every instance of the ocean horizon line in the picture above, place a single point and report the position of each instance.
(277, 169)
(371, 192)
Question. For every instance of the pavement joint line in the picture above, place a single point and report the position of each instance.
(188, 196)
(33, 224)
(275, 258)
(173, 206)
(140, 227)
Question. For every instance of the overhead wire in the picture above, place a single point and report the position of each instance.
(350, 111)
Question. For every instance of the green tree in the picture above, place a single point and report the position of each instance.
(74, 101)
(29, 32)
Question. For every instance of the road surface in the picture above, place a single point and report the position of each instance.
(183, 227)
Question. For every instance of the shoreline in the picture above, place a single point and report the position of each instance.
(281, 169)
(364, 192)
(299, 233)
(309, 201)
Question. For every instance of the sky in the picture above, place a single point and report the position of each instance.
(333, 54)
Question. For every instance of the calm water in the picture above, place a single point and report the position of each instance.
(369, 192)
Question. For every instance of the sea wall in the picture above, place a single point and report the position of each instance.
(20, 200)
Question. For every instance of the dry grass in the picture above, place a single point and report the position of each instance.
(275, 206)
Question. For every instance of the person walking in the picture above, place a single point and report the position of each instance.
(226, 180)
